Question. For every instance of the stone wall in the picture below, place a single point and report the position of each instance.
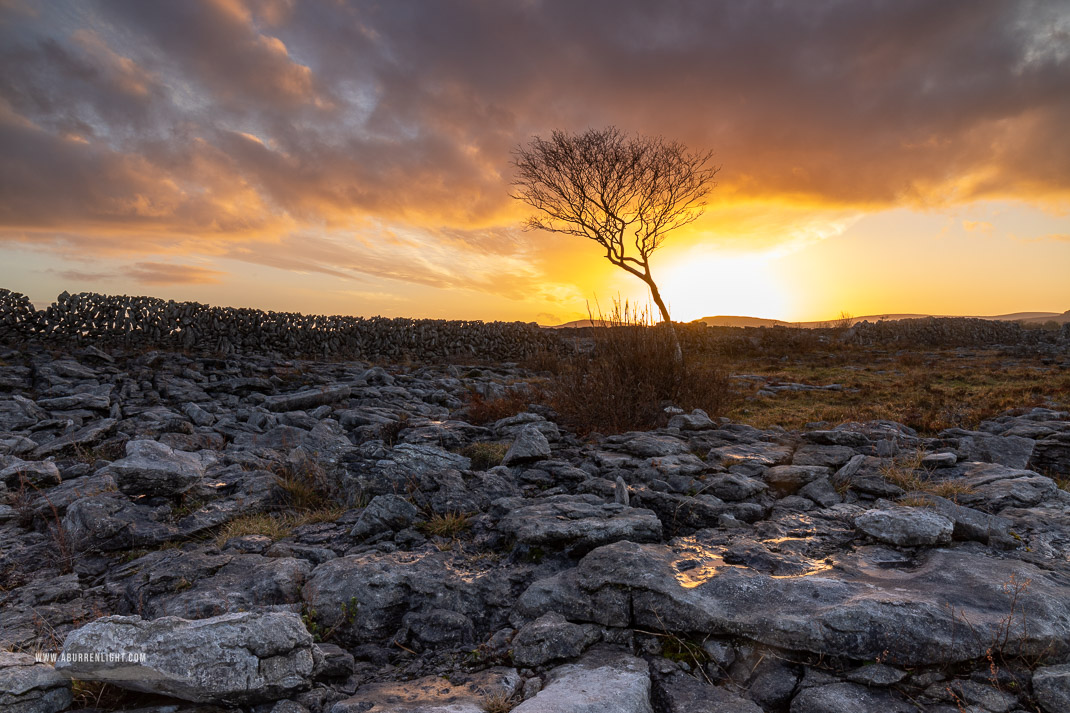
(950, 332)
(147, 322)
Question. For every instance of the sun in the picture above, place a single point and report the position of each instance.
(704, 284)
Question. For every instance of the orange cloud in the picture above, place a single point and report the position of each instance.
(358, 139)
(161, 273)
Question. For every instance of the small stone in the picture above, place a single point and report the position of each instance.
(939, 460)
(620, 492)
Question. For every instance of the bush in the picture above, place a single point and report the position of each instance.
(629, 375)
(481, 410)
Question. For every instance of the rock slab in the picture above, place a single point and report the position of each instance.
(603, 681)
(231, 659)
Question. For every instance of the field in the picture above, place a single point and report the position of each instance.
(795, 378)
(928, 391)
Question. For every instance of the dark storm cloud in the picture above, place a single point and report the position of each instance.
(228, 118)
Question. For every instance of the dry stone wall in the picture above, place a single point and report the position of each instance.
(148, 322)
(948, 331)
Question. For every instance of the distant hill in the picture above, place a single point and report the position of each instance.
(734, 321)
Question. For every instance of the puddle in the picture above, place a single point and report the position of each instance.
(699, 563)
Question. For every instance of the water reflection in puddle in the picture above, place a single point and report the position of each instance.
(698, 562)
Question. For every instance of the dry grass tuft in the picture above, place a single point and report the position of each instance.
(485, 455)
(908, 473)
(276, 525)
(499, 703)
(304, 485)
(915, 501)
(449, 525)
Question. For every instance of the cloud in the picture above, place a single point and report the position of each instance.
(239, 129)
(84, 275)
(979, 226)
(161, 273)
(148, 273)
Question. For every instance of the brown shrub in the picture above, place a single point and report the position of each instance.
(630, 375)
(481, 410)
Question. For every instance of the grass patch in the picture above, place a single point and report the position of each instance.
(908, 473)
(915, 501)
(276, 525)
(926, 390)
(449, 525)
(304, 485)
(485, 456)
(499, 703)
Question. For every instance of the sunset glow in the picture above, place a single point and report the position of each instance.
(355, 157)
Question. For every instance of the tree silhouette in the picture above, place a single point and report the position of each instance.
(623, 192)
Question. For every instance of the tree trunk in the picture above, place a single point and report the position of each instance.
(678, 355)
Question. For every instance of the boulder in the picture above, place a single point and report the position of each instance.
(365, 597)
(152, 468)
(649, 445)
(110, 521)
(383, 514)
(994, 487)
(849, 698)
(1052, 455)
(1011, 451)
(788, 479)
(43, 474)
(551, 637)
(859, 605)
(906, 527)
(733, 487)
(678, 693)
(697, 420)
(529, 446)
(578, 520)
(307, 399)
(29, 686)
(86, 436)
(232, 659)
(760, 454)
(602, 681)
(1051, 687)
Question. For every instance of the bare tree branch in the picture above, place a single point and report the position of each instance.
(605, 185)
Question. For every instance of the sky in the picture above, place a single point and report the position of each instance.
(876, 156)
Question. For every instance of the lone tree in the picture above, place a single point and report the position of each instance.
(617, 190)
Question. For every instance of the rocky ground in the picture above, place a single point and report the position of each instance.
(210, 534)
